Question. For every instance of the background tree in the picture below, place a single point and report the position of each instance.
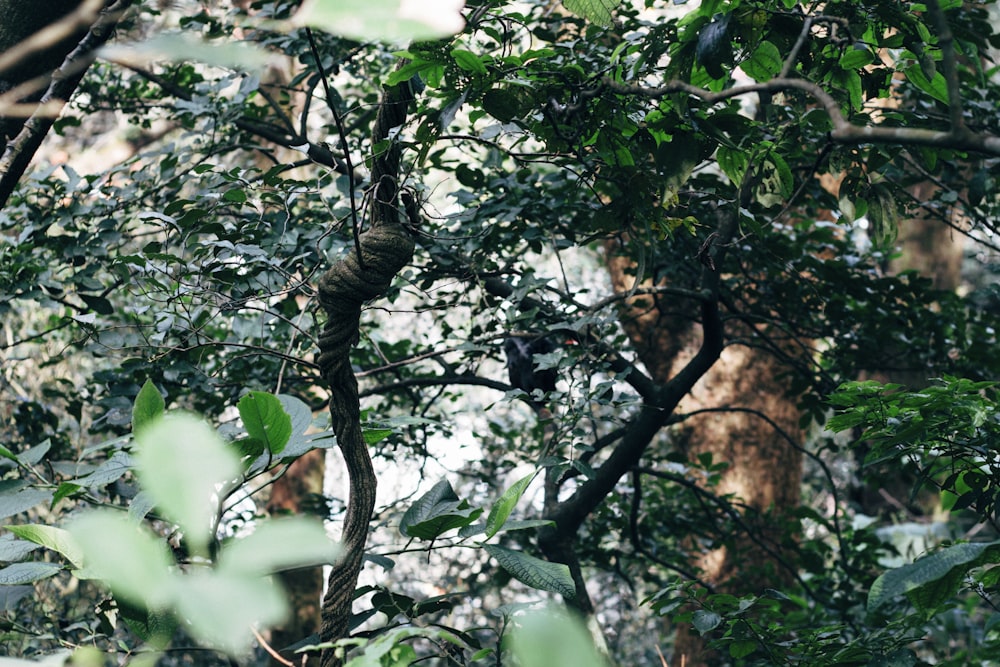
(596, 181)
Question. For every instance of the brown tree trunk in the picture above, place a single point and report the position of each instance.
(304, 587)
(765, 466)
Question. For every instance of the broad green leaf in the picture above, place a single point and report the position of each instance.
(183, 463)
(436, 512)
(468, 61)
(856, 58)
(386, 20)
(596, 11)
(154, 626)
(22, 500)
(134, 563)
(265, 420)
(27, 573)
(108, 472)
(733, 163)
(13, 549)
(764, 64)
(34, 455)
(935, 87)
(504, 506)
(57, 539)
(280, 544)
(705, 621)
(553, 638)
(535, 572)
(221, 607)
(926, 571)
(299, 413)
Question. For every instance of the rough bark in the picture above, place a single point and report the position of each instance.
(385, 248)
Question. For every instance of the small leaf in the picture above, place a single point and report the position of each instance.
(504, 506)
(57, 539)
(468, 61)
(705, 621)
(436, 512)
(265, 420)
(535, 572)
(596, 11)
(148, 406)
(27, 573)
(22, 501)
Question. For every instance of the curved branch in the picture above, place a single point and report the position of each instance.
(844, 131)
(21, 149)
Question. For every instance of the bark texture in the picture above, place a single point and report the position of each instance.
(764, 467)
(363, 275)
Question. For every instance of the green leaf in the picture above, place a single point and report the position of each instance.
(436, 512)
(181, 463)
(221, 607)
(535, 572)
(280, 544)
(596, 11)
(12, 549)
(935, 87)
(704, 620)
(941, 565)
(553, 638)
(265, 420)
(856, 58)
(386, 20)
(733, 163)
(27, 573)
(764, 64)
(106, 473)
(235, 195)
(504, 506)
(154, 626)
(883, 214)
(132, 561)
(504, 104)
(468, 61)
(148, 406)
(57, 539)
(22, 501)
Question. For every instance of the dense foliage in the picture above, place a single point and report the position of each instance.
(623, 181)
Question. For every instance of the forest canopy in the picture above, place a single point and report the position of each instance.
(390, 333)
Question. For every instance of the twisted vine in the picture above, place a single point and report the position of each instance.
(363, 275)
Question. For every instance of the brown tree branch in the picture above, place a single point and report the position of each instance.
(844, 131)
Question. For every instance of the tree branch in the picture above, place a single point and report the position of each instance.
(844, 131)
(18, 153)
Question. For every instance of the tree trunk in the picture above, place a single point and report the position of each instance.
(765, 464)
(304, 587)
